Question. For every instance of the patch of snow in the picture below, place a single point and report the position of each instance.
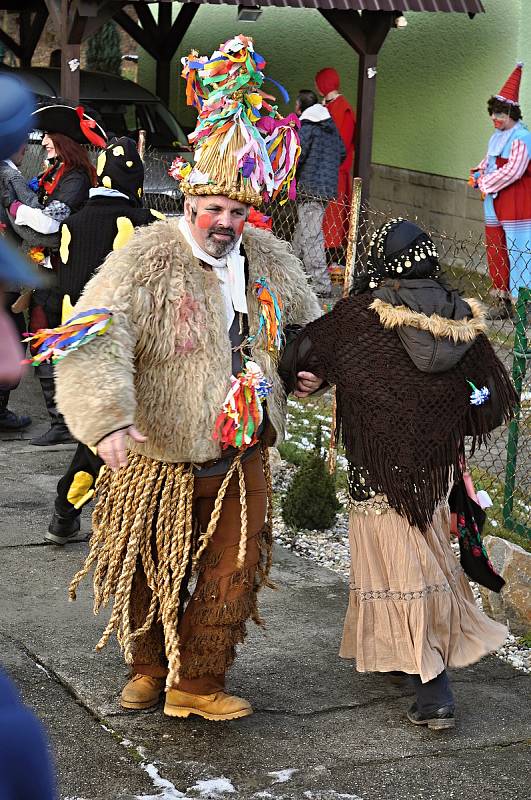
(283, 775)
(43, 669)
(170, 792)
(126, 743)
(213, 786)
(329, 794)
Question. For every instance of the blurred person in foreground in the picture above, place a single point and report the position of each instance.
(415, 375)
(26, 771)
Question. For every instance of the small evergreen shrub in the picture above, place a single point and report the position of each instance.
(311, 502)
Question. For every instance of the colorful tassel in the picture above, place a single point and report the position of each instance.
(270, 316)
(53, 344)
(242, 414)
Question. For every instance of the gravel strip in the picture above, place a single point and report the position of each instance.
(330, 549)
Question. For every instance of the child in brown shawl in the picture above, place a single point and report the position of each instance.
(414, 375)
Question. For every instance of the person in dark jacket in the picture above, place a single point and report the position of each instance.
(13, 186)
(322, 153)
(63, 188)
(414, 375)
(104, 224)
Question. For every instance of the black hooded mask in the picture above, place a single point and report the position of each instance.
(120, 167)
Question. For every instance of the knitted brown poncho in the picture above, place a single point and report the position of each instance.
(404, 427)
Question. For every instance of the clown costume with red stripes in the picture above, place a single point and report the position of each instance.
(504, 176)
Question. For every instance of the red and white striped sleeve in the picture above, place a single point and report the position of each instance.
(511, 171)
(482, 166)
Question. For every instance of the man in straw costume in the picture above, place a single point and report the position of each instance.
(183, 327)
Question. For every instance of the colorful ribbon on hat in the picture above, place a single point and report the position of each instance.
(53, 344)
(242, 414)
(226, 90)
(88, 126)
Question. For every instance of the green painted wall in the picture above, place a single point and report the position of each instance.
(434, 76)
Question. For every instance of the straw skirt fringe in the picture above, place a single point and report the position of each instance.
(411, 607)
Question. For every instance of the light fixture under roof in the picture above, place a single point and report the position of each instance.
(249, 13)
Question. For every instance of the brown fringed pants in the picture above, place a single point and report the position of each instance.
(224, 598)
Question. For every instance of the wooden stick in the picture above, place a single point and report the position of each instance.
(141, 145)
(352, 242)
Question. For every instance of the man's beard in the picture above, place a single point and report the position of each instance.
(216, 248)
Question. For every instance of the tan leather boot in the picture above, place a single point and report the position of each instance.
(217, 706)
(142, 691)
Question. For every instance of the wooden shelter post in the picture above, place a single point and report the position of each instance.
(366, 33)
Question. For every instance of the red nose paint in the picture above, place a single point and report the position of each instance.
(498, 123)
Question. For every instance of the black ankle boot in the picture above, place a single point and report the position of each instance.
(9, 421)
(438, 720)
(62, 529)
(58, 433)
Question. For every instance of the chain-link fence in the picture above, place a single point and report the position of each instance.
(502, 468)
(498, 274)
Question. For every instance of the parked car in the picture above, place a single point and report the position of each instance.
(123, 108)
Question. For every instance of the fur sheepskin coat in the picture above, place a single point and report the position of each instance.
(164, 365)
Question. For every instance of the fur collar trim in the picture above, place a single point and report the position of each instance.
(464, 330)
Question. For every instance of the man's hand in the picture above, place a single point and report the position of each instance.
(112, 447)
(307, 383)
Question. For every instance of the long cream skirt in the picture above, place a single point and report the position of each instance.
(411, 607)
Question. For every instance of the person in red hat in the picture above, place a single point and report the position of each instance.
(335, 222)
(504, 177)
(63, 188)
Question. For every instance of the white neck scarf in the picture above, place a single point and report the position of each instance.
(230, 270)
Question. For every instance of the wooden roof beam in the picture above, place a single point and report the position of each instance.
(160, 38)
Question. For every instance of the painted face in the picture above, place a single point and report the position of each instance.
(49, 146)
(216, 224)
(501, 122)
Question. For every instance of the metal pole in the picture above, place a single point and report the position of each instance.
(352, 243)
(520, 356)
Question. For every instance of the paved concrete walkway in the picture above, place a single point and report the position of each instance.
(320, 730)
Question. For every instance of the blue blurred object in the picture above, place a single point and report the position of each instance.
(16, 107)
(34, 184)
(15, 270)
(26, 771)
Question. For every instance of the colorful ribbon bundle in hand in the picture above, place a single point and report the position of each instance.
(242, 413)
(53, 344)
